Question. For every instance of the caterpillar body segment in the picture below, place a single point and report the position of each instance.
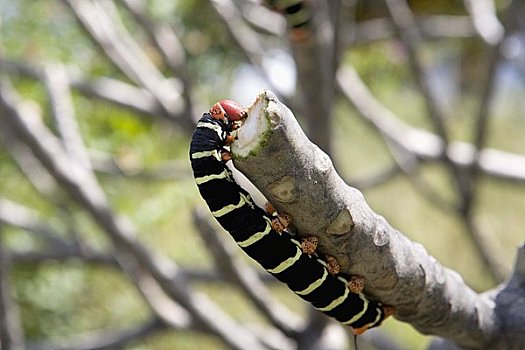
(263, 236)
(298, 15)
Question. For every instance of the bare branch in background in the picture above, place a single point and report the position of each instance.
(432, 27)
(11, 333)
(421, 144)
(17, 215)
(168, 45)
(28, 165)
(118, 45)
(102, 340)
(406, 26)
(57, 85)
(107, 89)
(485, 20)
(484, 12)
(248, 40)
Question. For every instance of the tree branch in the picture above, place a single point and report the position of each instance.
(298, 178)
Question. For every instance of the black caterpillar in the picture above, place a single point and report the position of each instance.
(298, 15)
(261, 235)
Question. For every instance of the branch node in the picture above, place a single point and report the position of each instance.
(342, 224)
(283, 189)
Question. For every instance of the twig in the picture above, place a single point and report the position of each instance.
(366, 32)
(119, 46)
(245, 38)
(482, 9)
(102, 340)
(17, 215)
(118, 92)
(425, 145)
(57, 84)
(483, 14)
(168, 45)
(494, 34)
(406, 26)
(28, 165)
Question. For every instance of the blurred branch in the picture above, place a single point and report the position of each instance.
(483, 15)
(423, 144)
(56, 82)
(126, 54)
(407, 29)
(262, 18)
(19, 216)
(163, 37)
(485, 10)
(167, 44)
(246, 39)
(442, 26)
(427, 146)
(11, 332)
(102, 340)
(28, 165)
(170, 170)
(107, 89)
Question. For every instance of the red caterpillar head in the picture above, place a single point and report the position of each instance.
(228, 109)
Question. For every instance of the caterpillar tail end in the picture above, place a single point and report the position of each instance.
(387, 312)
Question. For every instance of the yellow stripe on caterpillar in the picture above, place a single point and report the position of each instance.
(314, 285)
(204, 154)
(245, 199)
(220, 132)
(360, 314)
(335, 302)
(222, 175)
(287, 263)
(256, 236)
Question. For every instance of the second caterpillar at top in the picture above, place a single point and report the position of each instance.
(263, 236)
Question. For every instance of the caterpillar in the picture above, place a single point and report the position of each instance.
(263, 235)
(298, 15)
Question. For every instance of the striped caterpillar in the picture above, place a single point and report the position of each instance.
(262, 234)
(298, 14)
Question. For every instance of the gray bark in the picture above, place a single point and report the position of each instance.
(299, 179)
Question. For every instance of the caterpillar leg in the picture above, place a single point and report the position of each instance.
(309, 245)
(269, 209)
(332, 265)
(356, 284)
(226, 156)
(387, 311)
(281, 222)
(217, 112)
(229, 139)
